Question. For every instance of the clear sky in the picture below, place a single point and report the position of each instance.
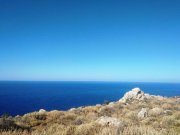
(97, 40)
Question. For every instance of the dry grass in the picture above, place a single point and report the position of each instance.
(92, 129)
(82, 121)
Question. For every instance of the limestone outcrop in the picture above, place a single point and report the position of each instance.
(42, 111)
(138, 94)
(134, 94)
(143, 113)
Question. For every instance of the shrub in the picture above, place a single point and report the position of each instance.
(168, 121)
(106, 111)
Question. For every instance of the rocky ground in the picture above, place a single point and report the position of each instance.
(137, 113)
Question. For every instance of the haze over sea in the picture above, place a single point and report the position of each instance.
(20, 97)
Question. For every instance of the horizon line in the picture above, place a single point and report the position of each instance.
(88, 81)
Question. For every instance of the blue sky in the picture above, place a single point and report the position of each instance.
(90, 40)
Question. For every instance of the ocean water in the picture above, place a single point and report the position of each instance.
(17, 98)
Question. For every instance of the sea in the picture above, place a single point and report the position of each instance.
(20, 97)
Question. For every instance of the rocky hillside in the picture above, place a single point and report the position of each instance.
(136, 113)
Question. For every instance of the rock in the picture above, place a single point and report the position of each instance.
(17, 116)
(109, 121)
(147, 96)
(54, 111)
(143, 113)
(177, 100)
(72, 109)
(156, 111)
(42, 111)
(111, 104)
(135, 93)
(98, 105)
(168, 112)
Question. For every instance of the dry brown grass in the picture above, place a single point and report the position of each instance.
(93, 129)
(82, 121)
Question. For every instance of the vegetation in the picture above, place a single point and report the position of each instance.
(117, 118)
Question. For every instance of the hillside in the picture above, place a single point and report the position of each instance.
(137, 113)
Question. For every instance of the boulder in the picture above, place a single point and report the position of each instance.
(17, 116)
(177, 99)
(109, 121)
(134, 94)
(54, 111)
(42, 111)
(72, 109)
(98, 105)
(143, 113)
(156, 111)
(168, 112)
(147, 96)
(111, 104)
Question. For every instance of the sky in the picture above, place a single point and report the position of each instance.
(90, 40)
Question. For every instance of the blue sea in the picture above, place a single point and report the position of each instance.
(20, 97)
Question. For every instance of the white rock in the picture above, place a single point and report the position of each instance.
(17, 116)
(156, 111)
(98, 105)
(111, 103)
(42, 111)
(72, 109)
(147, 96)
(135, 93)
(54, 111)
(177, 100)
(168, 112)
(143, 113)
(109, 121)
